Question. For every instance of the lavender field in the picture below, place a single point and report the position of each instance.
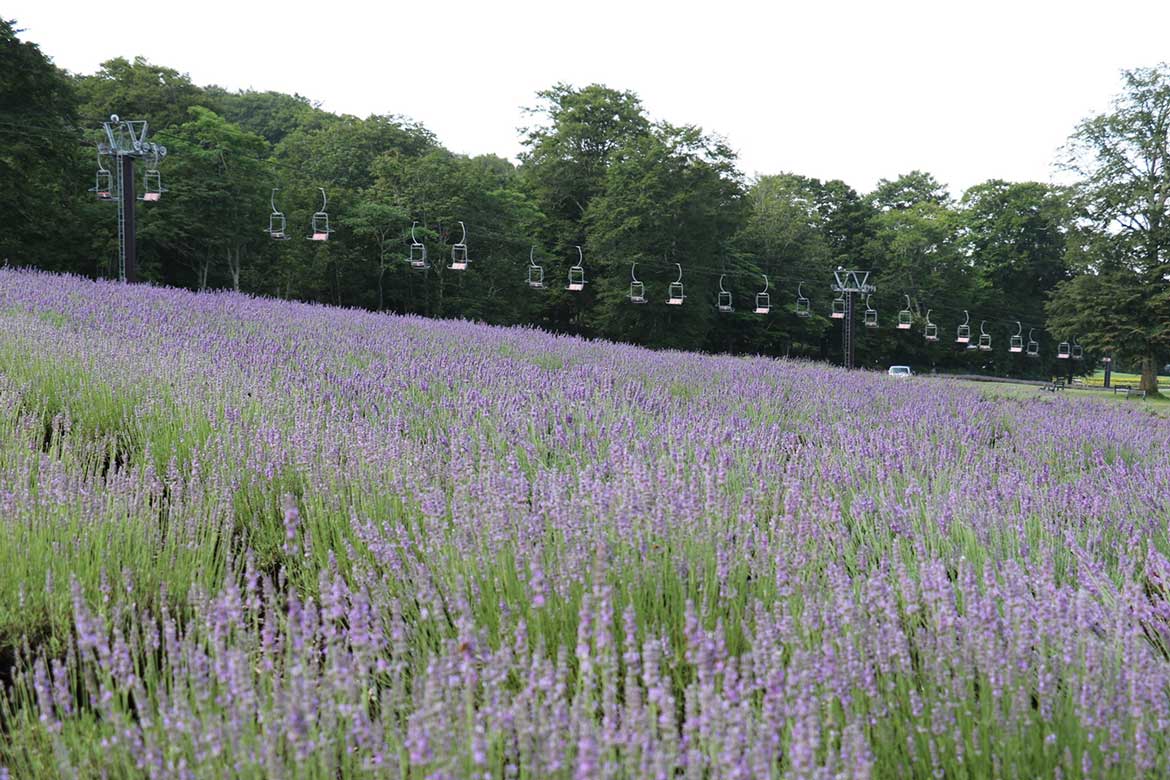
(246, 538)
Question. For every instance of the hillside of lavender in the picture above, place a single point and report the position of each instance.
(246, 538)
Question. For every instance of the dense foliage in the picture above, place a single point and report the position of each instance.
(599, 173)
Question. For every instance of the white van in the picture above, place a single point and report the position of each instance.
(900, 371)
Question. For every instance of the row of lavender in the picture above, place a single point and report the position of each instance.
(249, 538)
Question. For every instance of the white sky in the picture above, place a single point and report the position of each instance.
(851, 90)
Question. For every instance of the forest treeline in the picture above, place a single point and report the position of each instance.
(596, 172)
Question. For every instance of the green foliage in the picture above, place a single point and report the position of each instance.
(909, 190)
(671, 197)
(272, 115)
(1122, 202)
(138, 88)
(216, 204)
(596, 172)
(39, 156)
(566, 161)
(1014, 236)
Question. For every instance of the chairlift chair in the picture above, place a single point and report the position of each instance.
(418, 251)
(838, 308)
(535, 272)
(931, 330)
(1063, 350)
(152, 188)
(459, 258)
(321, 229)
(637, 289)
(763, 300)
(905, 316)
(675, 295)
(1033, 350)
(984, 337)
(963, 335)
(1017, 341)
(870, 319)
(277, 227)
(724, 304)
(103, 187)
(1077, 352)
(803, 307)
(577, 273)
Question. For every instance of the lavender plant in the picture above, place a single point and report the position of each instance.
(260, 539)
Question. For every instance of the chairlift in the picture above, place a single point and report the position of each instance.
(535, 272)
(931, 331)
(964, 333)
(418, 251)
(984, 337)
(763, 300)
(1077, 352)
(321, 229)
(905, 317)
(152, 188)
(1063, 350)
(577, 273)
(277, 225)
(675, 294)
(1033, 350)
(637, 289)
(724, 297)
(870, 314)
(103, 187)
(459, 259)
(838, 307)
(1017, 341)
(803, 307)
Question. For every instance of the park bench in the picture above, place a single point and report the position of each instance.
(1053, 386)
(1129, 390)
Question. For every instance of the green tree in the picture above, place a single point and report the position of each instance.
(439, 190)
(273, 115)
(41, 161)
(217, 199)
(339, 155)
(380, 223)
(1120, 301)
(909, 190)
(673, 196)
(915, 252)
(1014, 237)
(567, 157)
(137, 89)
(786, 235)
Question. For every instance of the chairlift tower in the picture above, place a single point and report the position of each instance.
(849, 283)
(126, 142)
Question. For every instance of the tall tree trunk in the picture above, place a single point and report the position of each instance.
(234, 266)
(204, 266)
(381, 273)
(1149, 374)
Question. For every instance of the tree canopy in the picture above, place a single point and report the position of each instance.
(599, 173)
(1119, 299)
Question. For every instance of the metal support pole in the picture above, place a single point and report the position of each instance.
(847, 331)
(127, 229)
(126, 142)
(1108, 361)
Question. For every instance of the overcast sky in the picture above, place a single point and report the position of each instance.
(851, 90)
